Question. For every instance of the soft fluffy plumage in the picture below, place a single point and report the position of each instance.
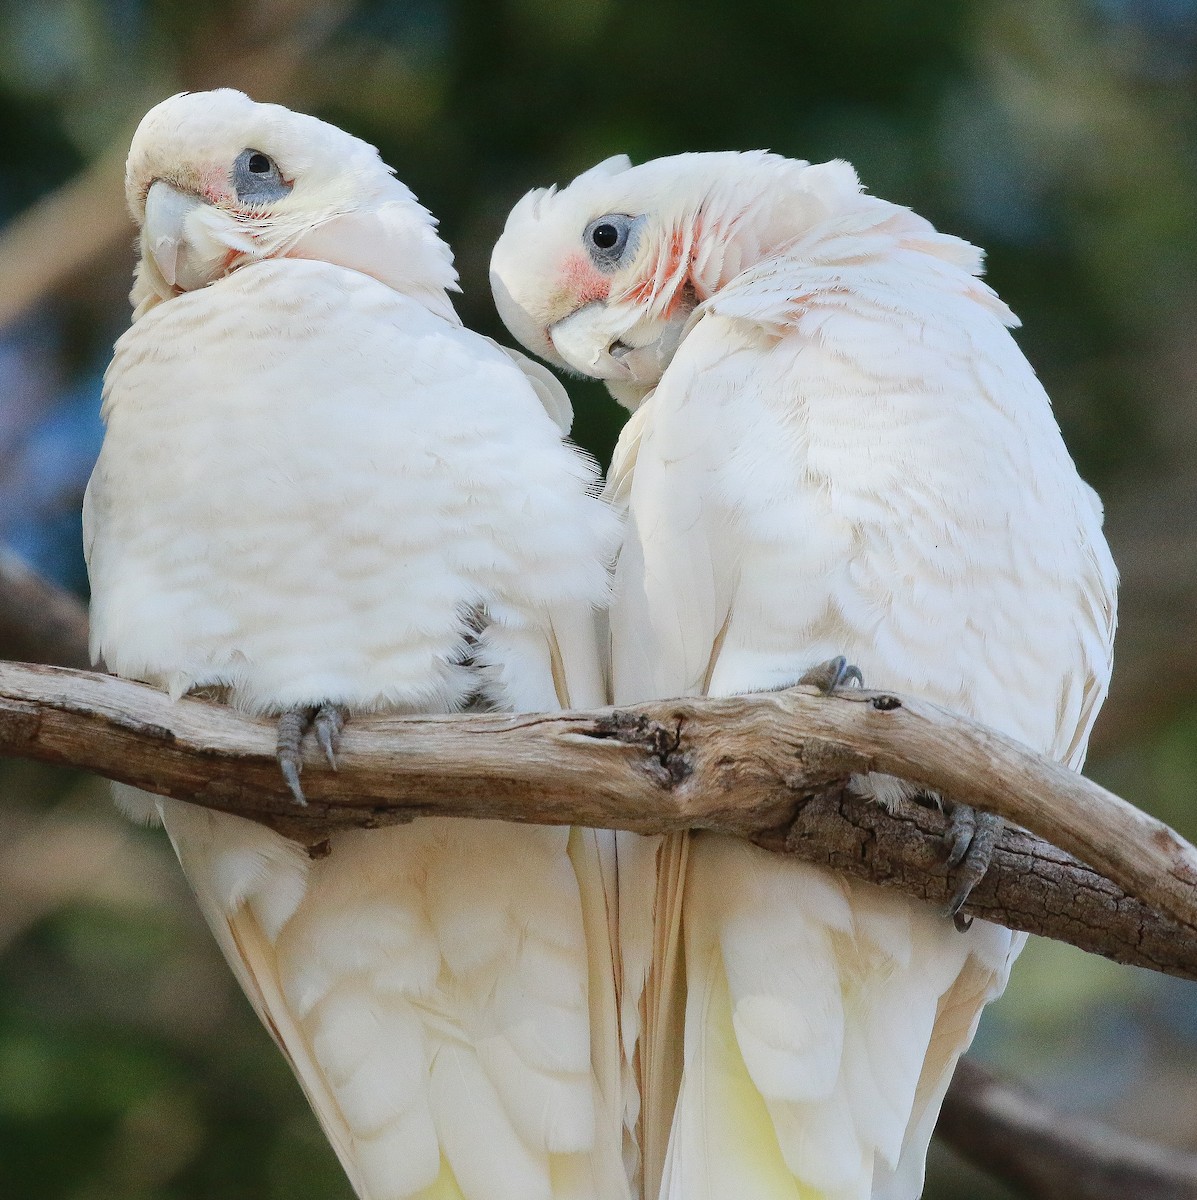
(836, 448)
(317, 487)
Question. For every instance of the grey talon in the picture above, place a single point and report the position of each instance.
(291, 728)
(290, 770)
(834, 673)
(971, 837)
(962, 828)
(328, 722)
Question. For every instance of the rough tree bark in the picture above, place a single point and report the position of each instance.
(771, 768)
(799, 806)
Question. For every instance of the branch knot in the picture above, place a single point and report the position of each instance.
(667, 762)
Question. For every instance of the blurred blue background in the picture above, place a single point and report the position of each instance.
(1058, 134)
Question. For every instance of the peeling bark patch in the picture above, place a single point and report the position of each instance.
(668, 763)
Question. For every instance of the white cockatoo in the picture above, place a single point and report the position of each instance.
(835, 449)
(319, 494)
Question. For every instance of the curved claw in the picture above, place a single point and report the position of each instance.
(328, 723)
(834, 673)
(971, 838)
(962, 828)
(291, 728)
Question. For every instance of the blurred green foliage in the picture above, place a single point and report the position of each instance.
(1059, 134)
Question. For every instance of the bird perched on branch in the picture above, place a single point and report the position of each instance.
(322, 496)
(836, 449)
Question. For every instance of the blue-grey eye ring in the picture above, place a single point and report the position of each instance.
(610, 238)
(257, 179)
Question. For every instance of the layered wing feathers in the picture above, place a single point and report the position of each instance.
(848, 454)
(350, 499)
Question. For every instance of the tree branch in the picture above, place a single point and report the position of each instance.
(1047, 1155)
(771, 768)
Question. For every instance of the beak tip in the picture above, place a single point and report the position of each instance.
(166, 257)
(164, 229)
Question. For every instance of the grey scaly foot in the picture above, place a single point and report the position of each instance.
(291, 728)
(971, 837)
(834, 673)
(326, 722)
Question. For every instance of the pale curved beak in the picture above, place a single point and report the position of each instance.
(639, 354)
(646, 363)
(584, 340)
(164, 234)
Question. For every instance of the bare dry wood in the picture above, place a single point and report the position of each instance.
(1009, 1133)
(770, 768)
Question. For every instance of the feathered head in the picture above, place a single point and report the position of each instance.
(216, 181)
(602, 276)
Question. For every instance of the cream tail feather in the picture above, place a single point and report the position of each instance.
(845, 454)
(316, 487)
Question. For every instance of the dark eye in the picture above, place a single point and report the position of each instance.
(605, 236)
(256, 178)
(611, 238)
